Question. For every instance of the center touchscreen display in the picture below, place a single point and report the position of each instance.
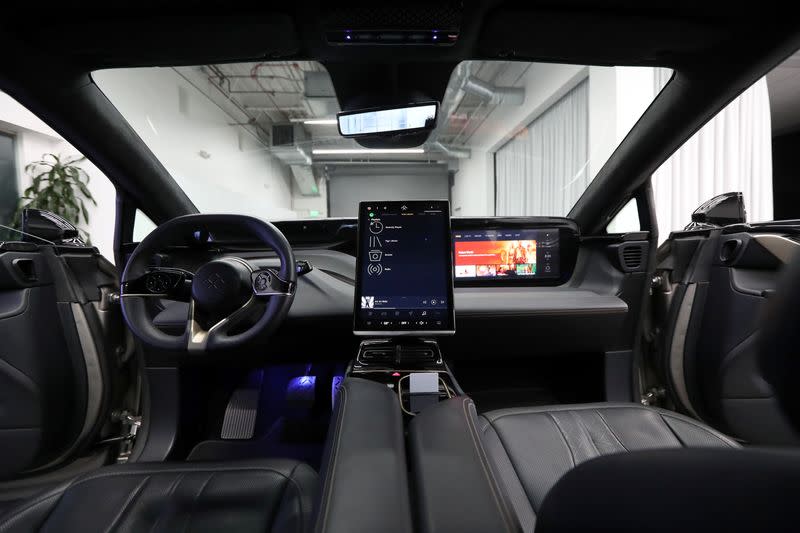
(503, 254)
(404, 270)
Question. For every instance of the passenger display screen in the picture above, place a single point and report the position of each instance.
(502, 254)
(404, 271)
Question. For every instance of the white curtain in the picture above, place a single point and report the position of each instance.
(733, 152)
(543, 169)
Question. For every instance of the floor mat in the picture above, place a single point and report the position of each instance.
(284, 440)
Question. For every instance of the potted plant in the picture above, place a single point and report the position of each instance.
(60, 186)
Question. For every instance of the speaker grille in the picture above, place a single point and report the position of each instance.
(632, 256)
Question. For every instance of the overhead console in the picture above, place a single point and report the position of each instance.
(513, 251)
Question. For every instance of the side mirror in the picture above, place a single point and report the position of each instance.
(388, 121)
(721, 210)
(47, 226)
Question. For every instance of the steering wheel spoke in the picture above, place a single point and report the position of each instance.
(199, 336)
(165, 283)
(267, 282)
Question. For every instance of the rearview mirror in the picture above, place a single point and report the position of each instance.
(411, 118)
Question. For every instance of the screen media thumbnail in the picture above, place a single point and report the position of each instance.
(504, 254)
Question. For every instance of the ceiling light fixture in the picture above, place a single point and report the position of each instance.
(366, 151)
(321, 121)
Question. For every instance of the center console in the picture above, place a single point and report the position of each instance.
(401, 365)
(404, 299)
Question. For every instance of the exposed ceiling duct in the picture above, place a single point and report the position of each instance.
(320, 94)
(449, 151)
(492, 94)
(290, 107)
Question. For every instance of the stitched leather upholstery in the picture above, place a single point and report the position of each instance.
(528, 450)
(532, 448)
(457, 489)
(364, 465)
(265, 495)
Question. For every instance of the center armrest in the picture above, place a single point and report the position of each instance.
(364, 465)
(456, 489)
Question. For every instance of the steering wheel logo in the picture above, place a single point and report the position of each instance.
(215, 281)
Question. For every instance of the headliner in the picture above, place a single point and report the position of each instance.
(716, 49)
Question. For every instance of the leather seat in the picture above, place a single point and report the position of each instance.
(264, 495)
(532, 448)
(505, 462)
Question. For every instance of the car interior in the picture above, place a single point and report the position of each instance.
(404, 295)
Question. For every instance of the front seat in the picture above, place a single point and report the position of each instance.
(516, 468)
(365, 488)
(264, 495)
(511, 458)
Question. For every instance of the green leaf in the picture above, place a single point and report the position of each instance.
(84, 190)
(58, 184)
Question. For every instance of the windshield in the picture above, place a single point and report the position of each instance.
(512, 139)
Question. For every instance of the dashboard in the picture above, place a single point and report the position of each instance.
(575, 302)
(488, 252)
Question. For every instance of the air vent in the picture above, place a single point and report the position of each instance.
(417, 356)
(377, 356)
(632, 256)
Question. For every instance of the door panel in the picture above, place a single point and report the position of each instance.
(714, 286)
(57, 353)
(35, 377)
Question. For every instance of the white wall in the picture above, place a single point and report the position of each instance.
(602, 117)
(350, 184)
(473, 187)
(306, 206)
(472, 193)
(221, 167)
(618, 96)
(632, 89)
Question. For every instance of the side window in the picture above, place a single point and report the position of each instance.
(38, 168)
(9, 188)
(730, 153)
(142, 226)
(627, 220)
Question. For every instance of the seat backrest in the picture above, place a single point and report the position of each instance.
(721, 281)
(676, 490)
(56, 331)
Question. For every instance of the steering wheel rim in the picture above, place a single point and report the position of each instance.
(279, 293)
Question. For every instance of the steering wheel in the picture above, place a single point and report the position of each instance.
(222, 293)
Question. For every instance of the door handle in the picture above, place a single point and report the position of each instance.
(26, 268)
